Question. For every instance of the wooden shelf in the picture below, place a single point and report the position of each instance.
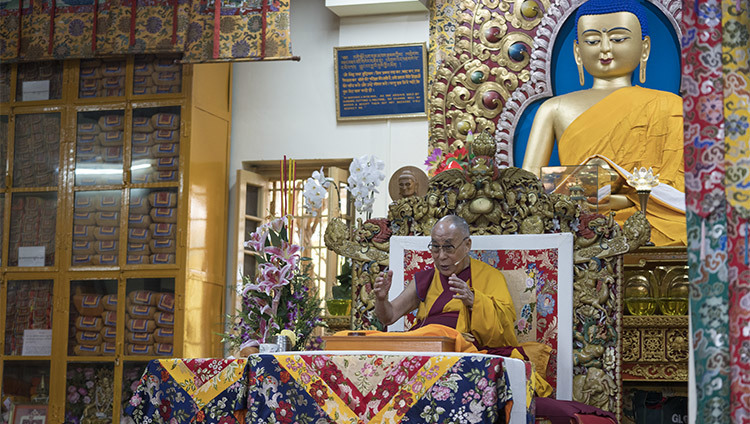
(195, 275)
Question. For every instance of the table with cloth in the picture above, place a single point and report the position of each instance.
(341, 387)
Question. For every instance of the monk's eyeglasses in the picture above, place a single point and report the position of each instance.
(447, 248)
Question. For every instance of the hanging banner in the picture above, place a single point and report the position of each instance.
(202, 30)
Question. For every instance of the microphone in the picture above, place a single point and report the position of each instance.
(459, 261)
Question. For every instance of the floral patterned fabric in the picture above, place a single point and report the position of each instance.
(191, 390)
(705, 214)
(716, 97)
(201, 29)
(531, 276)
(366, 388)
(736, 69)
(327, 388)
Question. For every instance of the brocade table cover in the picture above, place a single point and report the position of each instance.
(191, 390)
(326, 387)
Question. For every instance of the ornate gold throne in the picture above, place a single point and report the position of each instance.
(511, 201)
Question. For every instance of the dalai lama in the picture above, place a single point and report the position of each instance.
(457, 292)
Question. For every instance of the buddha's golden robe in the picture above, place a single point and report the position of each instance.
(635, 127)
(491, 318)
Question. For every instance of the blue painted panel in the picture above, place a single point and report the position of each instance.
(380, 81)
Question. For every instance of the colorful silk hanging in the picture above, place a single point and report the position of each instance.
(703, 100)
(736, 70)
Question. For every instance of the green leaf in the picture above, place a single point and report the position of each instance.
(275, 239)
(283, 233)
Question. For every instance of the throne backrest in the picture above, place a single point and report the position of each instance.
(539, 273)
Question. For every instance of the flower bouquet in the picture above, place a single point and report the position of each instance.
(278, 300)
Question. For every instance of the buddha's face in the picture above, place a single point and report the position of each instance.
(610, 45)
(407, 187)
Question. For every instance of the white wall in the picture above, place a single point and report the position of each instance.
(289, 108)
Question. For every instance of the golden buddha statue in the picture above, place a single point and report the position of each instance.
(616, 124)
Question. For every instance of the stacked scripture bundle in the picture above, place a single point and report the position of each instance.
(99, 146)
(29, 306)
(152, 228)
(32, 223)
(36, 153)
(155, 148)
(88, 324)
(149, 327)
(96, 228)
(101, 78)
(156, 75)
(109, 326)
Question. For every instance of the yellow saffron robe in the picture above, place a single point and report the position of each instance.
(635, 127)
(492, 316)
(491, 319)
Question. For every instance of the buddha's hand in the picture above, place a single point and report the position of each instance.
(461, 290)
(619, 201)
(383, 285)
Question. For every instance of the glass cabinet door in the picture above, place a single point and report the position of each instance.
(99, 148)
(36, 150)
(28, 312)
(28, 380)
(152, 226)
(156, 75)
(33, 219)
(93, 318)
(39, 81)
(155, 145)
(90, 389)
(96, 228)
(101, 78)
(149, 324)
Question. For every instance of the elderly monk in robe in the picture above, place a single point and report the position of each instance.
(614, 123)
(458, 297)
(458, 292)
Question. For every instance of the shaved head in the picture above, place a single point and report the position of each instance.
(457, 222)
